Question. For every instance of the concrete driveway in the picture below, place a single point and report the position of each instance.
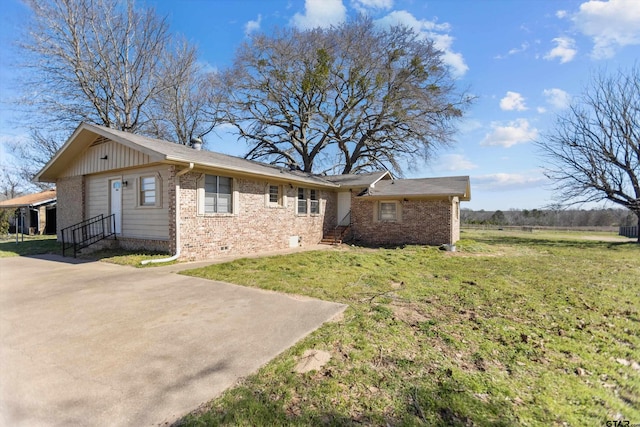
(105, 345)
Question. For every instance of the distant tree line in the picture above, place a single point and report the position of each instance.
(550, 217)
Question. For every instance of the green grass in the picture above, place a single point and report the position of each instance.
(127, 257)
(31, 245)
(513, 329)
(38, 245)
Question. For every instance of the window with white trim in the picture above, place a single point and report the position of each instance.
(149, 191)
(275, 195)
(218, 194)
(314, 203)
(302, 201)
(388, 211)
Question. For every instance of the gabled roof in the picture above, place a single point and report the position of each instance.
(168, 152)
(358, 180)
(37, 199)
(459, 186)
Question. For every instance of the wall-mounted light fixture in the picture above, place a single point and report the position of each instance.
(105, 157)
(125, 183)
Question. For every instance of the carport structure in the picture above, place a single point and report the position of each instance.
(34, 213)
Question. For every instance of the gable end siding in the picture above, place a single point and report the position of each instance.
(117, 157)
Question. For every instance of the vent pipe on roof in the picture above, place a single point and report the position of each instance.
(196, 144)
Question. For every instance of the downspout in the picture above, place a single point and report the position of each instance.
(177, 196)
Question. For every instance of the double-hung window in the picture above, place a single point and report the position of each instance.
(388, 211)
(275, 196)
(314, 202)
(149, 191)
(218, 194)
(302, 201)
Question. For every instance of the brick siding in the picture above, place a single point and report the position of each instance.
(70, 202)
(254, 227)
(423, 222)
(152, 245)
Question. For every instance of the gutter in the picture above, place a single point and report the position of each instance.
(281, 176)
(177, 203)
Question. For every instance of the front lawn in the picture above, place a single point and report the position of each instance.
(38, 245)
(513, 329)
(28, 245)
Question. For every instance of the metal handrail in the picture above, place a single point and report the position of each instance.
(87, 232)
(344, 222)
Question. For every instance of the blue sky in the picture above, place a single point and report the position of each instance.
(524, 60)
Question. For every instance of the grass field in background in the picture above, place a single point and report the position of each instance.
(512, 329)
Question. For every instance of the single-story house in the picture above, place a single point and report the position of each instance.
(35, 213)
(199, 204)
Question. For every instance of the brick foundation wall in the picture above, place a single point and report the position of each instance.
(71, 202)
(423, 222)
(254, 227)
(144, 244)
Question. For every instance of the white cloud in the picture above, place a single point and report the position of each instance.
(561, 14)
(524, 46)
(512, 101)
(508, 181)
(455, 162)
(252, 26)
(557, 98)
(431, 30)
(515, 132)
(320, 13)
(611, 25)
(565, 50)
(514, 51)
(363, 5)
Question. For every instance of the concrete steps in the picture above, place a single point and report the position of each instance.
(336, 237)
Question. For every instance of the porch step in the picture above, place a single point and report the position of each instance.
(335, 238)
(330, 241)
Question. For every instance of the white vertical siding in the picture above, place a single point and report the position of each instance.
(142, 222)
(105, 155)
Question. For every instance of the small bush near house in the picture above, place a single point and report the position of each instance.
(4, 221)
(513, 329)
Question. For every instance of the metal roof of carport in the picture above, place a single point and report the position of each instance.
(34, 200)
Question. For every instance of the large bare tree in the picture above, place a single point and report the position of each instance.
(593, 154)
(350, 98)
(111, 63)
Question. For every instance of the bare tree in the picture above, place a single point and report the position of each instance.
(593, 153)
(94, 60)
(11, 184)
(105, 62)
(351, 98)
(187, 107)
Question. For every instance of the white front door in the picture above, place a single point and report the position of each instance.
(115, 186)
(344, 206)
